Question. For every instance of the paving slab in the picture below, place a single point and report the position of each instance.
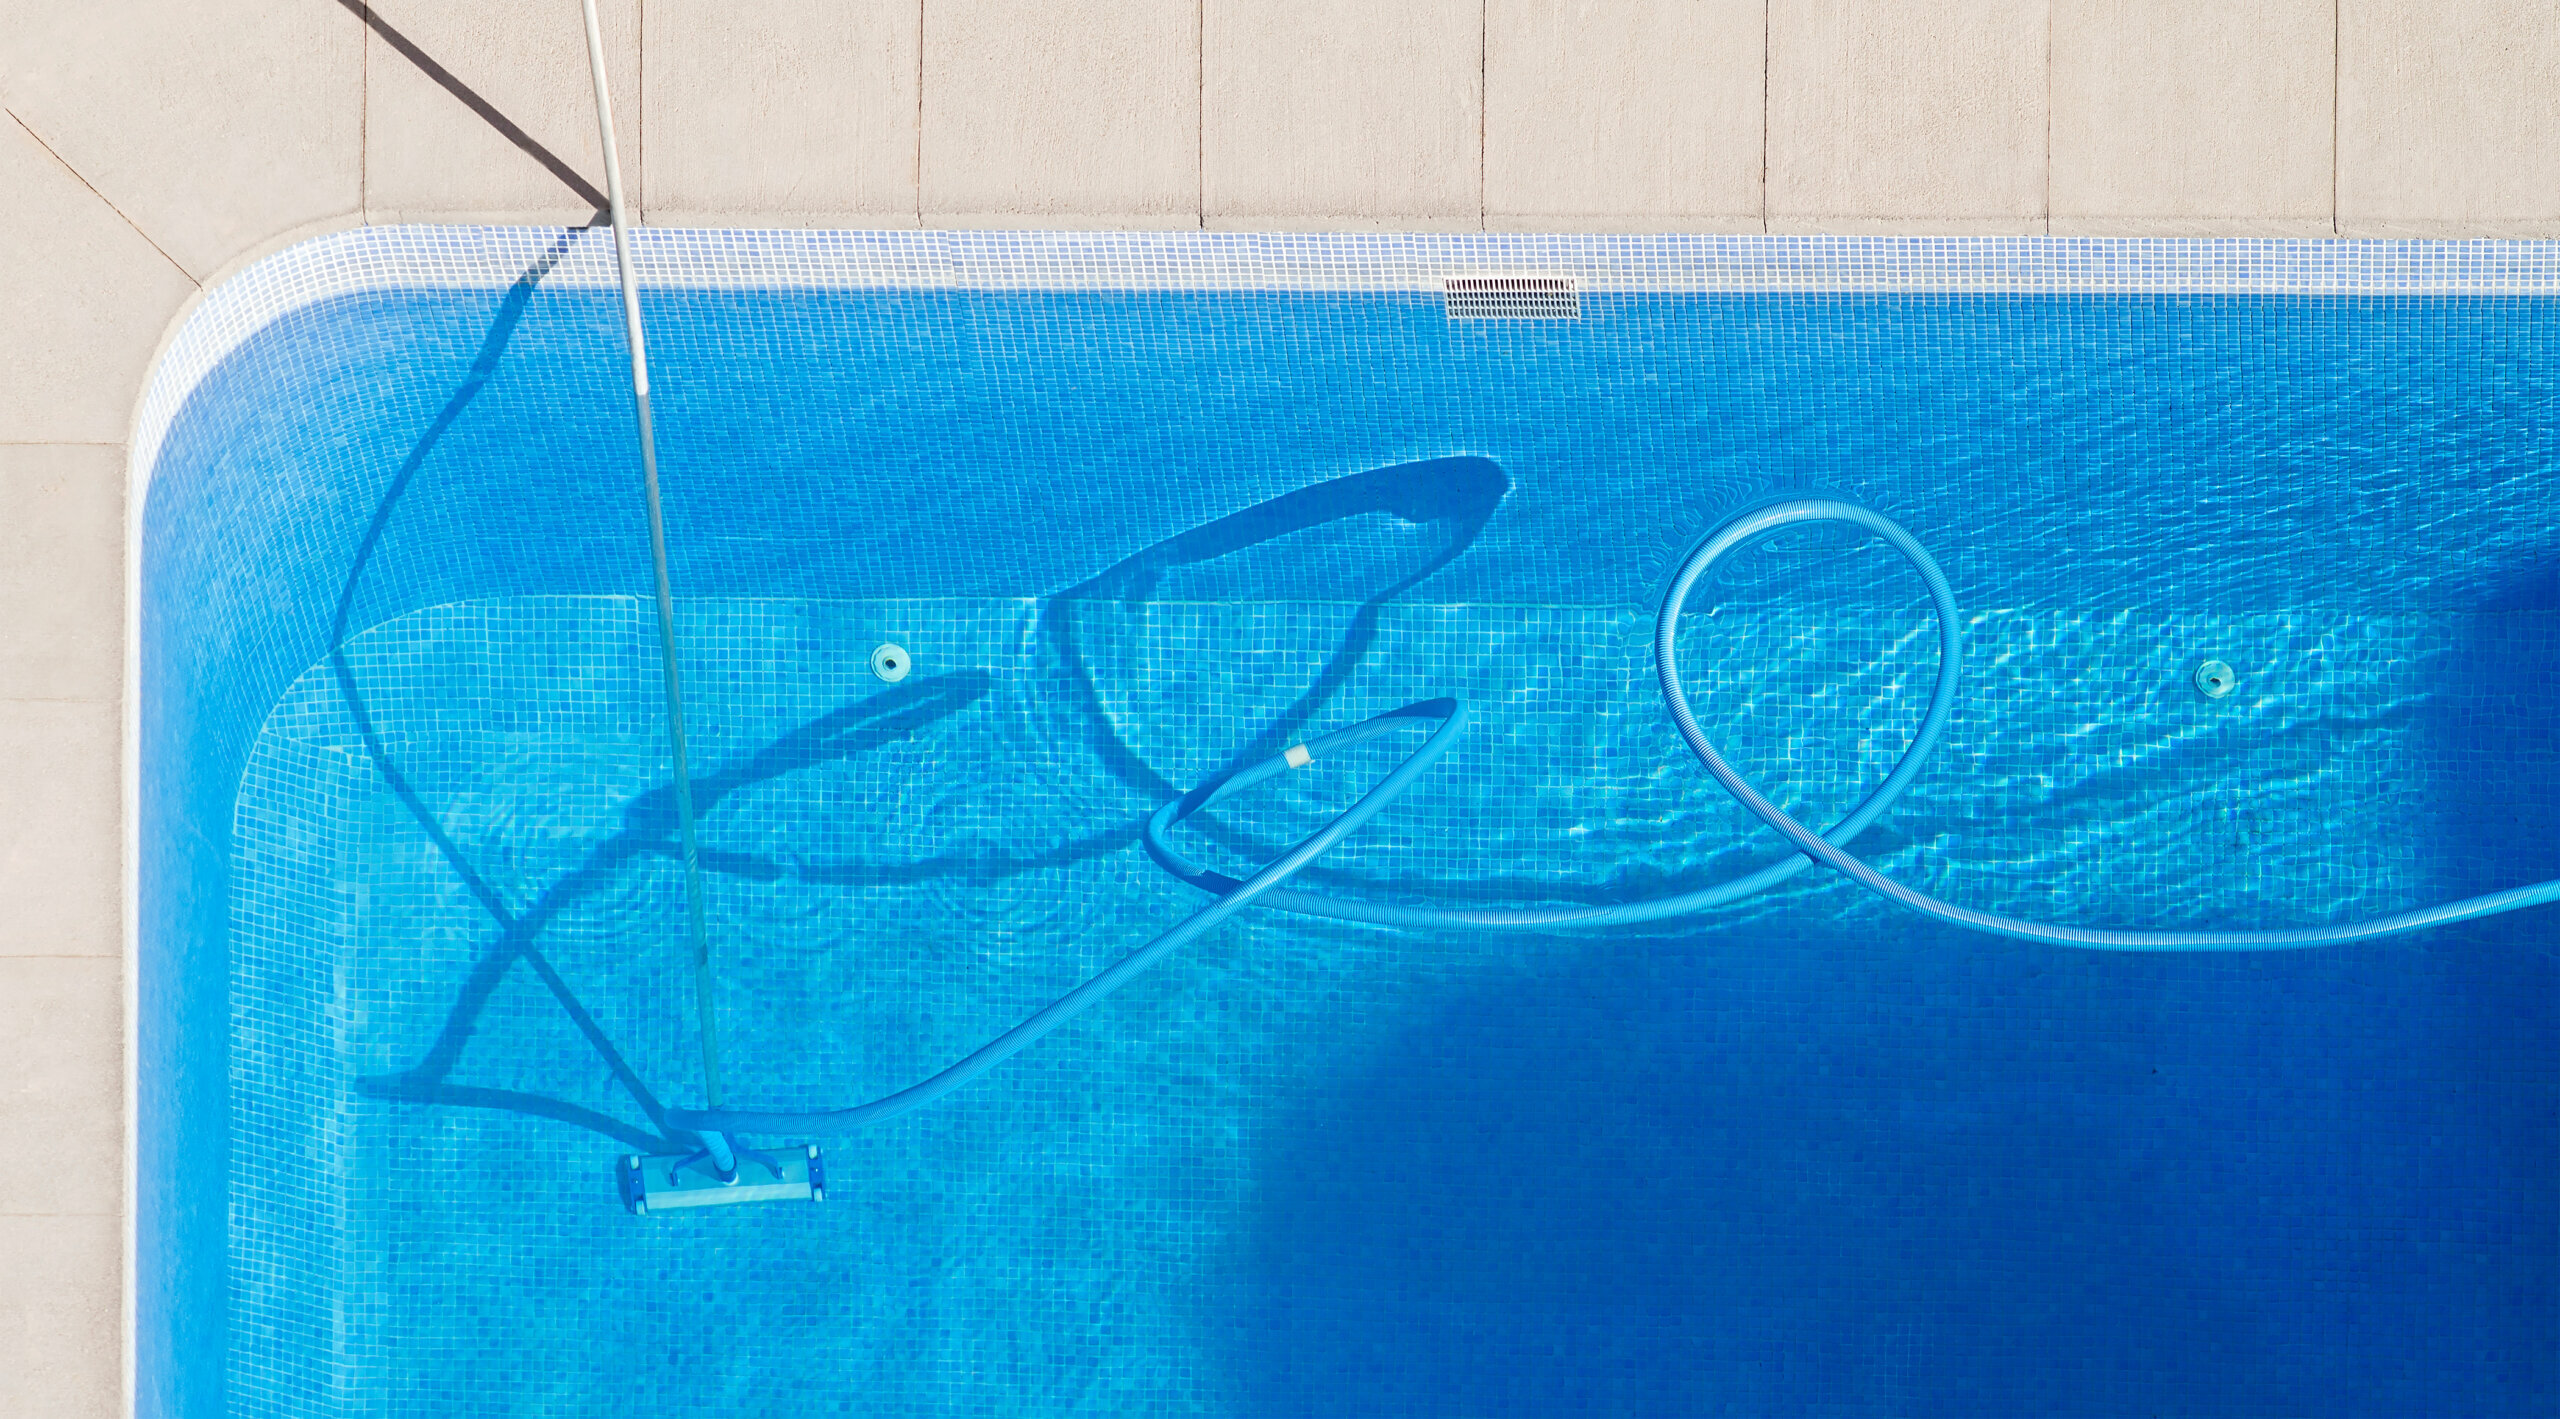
(61, 1351)
(1342, 114)
(60, 848)
(2448, 118)
(213, 124)
(85, 305)
(62, 1083)
(1063, 113)
(782, 112)
(1925, 116)
(61, 571)
(2194, 117)
(1642, 115)
(483, 111)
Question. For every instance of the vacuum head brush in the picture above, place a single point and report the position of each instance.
(669, 1181)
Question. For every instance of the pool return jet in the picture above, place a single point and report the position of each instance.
(720, 1170)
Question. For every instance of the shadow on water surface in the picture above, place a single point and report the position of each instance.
(1913, 1173)
(2496, 741)
(1929, 1173)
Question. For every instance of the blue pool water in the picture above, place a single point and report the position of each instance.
(1804, 1155)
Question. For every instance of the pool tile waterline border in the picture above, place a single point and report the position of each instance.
(485, 258)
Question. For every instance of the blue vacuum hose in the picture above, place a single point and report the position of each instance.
(1452, 716)
(1264, 887)
(1666, 664)
(1942, 704)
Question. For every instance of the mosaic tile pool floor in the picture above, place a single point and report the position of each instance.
(400, 722)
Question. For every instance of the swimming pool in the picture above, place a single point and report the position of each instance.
(1142, 507)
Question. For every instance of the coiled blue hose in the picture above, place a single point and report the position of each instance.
(1666, 665)
(1264, 887)
(1942, 704)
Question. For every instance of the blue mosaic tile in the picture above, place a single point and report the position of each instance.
(1145, 505)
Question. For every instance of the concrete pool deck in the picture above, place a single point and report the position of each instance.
(149, 148)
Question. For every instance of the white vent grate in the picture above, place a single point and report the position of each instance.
(1513, 298)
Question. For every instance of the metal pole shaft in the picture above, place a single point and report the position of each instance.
(697, 929)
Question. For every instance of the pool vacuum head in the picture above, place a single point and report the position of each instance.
(671, 1180)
